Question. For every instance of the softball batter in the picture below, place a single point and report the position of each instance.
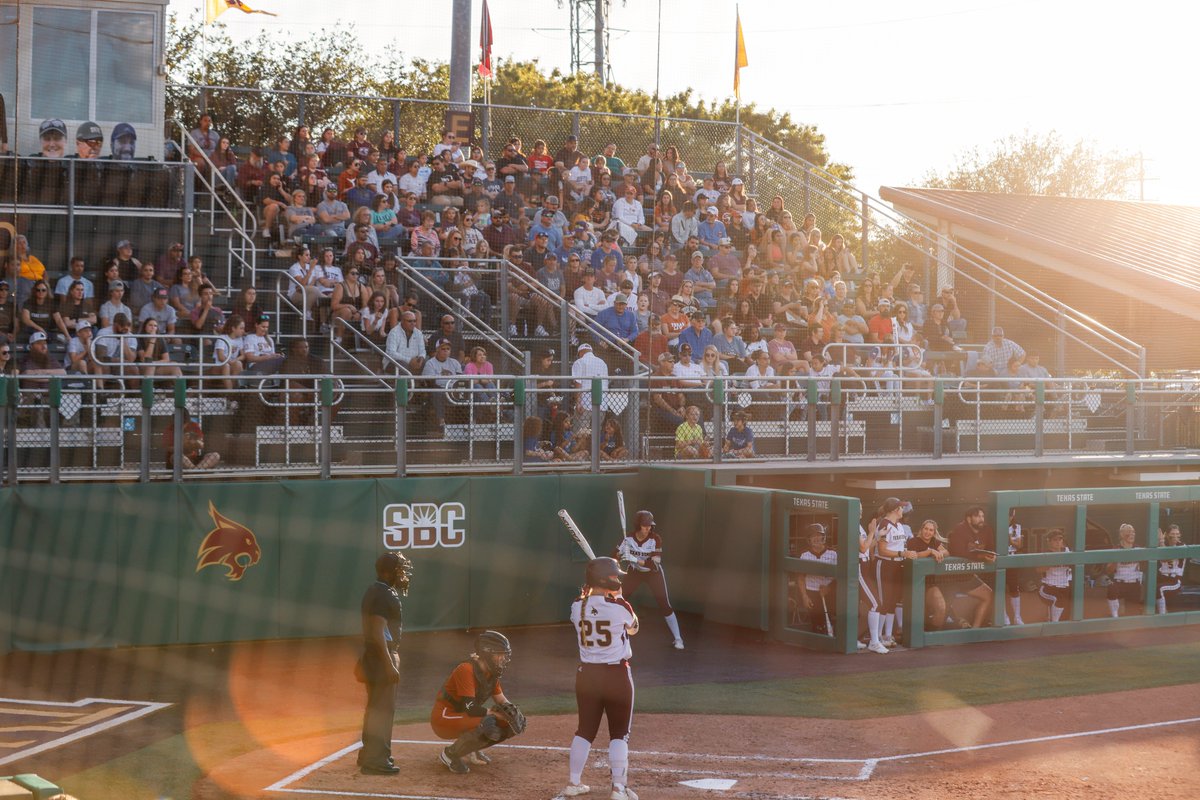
(640, 554)
(1170, 573)
(603, 682)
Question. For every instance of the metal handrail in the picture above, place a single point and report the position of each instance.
(200, 362)
(248, 217)
(930, 236)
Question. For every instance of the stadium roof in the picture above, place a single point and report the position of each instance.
(1129, 246)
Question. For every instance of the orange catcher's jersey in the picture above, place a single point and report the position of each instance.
(600, 629)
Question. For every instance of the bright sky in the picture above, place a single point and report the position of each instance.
(897, 88)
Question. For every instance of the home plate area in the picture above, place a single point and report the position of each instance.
(539, 771)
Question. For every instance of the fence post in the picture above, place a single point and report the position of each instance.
(326, 420)
(4, 425)
(866, 231)
(753, 184)
(71, 184)
(737, 168)
(597, 414)
(8, 429)
(180, 411)
(1130, 406)
(300, 111)
(575, 124)
(504, 310)
(1060, 344)
(188, 204)
(518, 426)
(147, 417)
(396, 125)
(564, 337)
(1039, 418)
(55, 422)
(401, 426)
(835, 419)
(720, 417)
(811, 414)
(939, 398)
(807, 180)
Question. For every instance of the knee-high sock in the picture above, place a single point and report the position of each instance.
(1114, 608)
(900, 617)
(1056, 613)
(1016, 607)
(873, 621)
(580, 748)
(618, 761)
(673, 624)
(889, 622)
(1160, 605)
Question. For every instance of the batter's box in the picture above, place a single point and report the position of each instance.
(746, 776)
(28, 727)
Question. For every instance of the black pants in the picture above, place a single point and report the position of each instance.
(604, 690)
(656, 579)
(381, 710)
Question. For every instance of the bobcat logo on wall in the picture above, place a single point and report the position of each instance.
(424, 525)
(229, 544)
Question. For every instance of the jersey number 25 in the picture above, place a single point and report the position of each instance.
(595, 634)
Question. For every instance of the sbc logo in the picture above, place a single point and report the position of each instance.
(422, 525)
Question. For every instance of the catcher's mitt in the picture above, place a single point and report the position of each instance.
(512, 715)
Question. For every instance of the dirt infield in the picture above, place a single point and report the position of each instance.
(753, 718)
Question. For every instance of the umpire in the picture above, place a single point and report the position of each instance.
(379, 666)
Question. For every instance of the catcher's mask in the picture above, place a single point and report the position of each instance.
(396, 569)
(494, 648)
(643, 519)
(604, 573)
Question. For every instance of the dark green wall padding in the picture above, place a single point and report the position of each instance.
(104, 565)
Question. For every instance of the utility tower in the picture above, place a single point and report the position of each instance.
(589, 38)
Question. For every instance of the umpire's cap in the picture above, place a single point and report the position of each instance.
(493, 642)
(604, 573)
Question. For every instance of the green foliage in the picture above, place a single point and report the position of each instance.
(1043, 165)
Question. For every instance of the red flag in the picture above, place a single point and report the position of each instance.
(485, 43)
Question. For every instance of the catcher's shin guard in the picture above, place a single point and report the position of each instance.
(469, 742)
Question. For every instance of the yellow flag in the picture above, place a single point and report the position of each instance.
(739, 58)
(214, 9)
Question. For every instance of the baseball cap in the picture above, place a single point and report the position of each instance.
(551, 257)
(89, 131)
(621, 299)
(509, 179)
(542, 235)
(472, 163)
(52, 126)
(697, 254)
(875, 351)
(331, 189)
(883, 301)
(697, 315)
(552, 198)
(585, 347)
(581, 226)
(937, 307)
(160, 292)
(725, 241)
(82, 325)
(710, 210)
(3, 284)
(736, 182)
(551, 352)
(546, 212)
(629, 171)
(124, 243)
(116, 285)
(123, 129)
(679, 299)
(37, 336)
(891, 504)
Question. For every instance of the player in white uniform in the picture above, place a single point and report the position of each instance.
(890, 552)
(1126, 578)
(867, 589)
(819, 592)
(1055, 589)
(603, 682)
(640, 554)
(1170, 573)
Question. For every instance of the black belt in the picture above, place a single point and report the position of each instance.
(622, 663)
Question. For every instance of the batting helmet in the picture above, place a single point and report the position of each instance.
(604, 573)
(495, 649)
(815, 529)
(642, 519)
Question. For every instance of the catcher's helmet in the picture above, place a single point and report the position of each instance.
(643, 518)
(391, 562)
(494, 648)
(604, 573)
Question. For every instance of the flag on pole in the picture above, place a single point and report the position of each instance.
(739, 58)
(485, 43)
(215, 8)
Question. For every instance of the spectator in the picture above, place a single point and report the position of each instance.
(331, 214)
(79, 359)
(449, 331)
(142, 289)
(361, 195)
(902, 328)
(445, 183)
(301, 220)
(739, 441)
(442, 367)
(37, 360)
(30, 269)
(999, 350)
(128, 267)
(918, 312)
(972, 539)
(206, 135)
(406, 345)
(384, 220)
(349, 300)
(158, 309)
(115, 304)
(585, 367)
(37, 313)
(711, 231)
(74, 275)
(306, 280)
(8, 313)
(483, 388)
(544, 226)
(153, 354)
(1032, 369)
(425, 234)
(412, 182)
(374, 318)
(362, 241)
(509, 199)
(684, 225)
(783, 352)
(589, 298)
(251, 174)
(52, 136)
(675, 321)
(206, 318)
(380, 173)
(612, 441)
(227, 350)
(879, 326)
(115, 345)
(281, 154)
(703, 282)
(577, 180)
(730, 347)
(690, 440)
(273, 198)
(620, 323)
(246, 306)
(226, 161)
(73, 309)
(259, 349)
(696, 336)
(535, 448)
(608, 247)
(359, 147)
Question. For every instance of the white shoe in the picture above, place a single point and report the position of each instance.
(861, 645)
(677, 644)
(512, 329)
(1019, 621)
(479, 758)
(540, 331)
(877, 647)
(575, 789)
(623, 793)
(889, 642)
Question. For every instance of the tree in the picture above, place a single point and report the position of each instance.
(1043, 165)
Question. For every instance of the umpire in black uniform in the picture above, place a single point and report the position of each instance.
(382, 625)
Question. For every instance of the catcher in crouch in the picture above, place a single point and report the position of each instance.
(640, 554)
(459, 712)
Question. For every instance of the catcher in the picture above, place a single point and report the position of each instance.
(640, 555)
(459, 712)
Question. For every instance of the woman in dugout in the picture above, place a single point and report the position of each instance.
(1170, 573)
(929, 543)
(1055, 587)
(1126, 578)
(890, 552)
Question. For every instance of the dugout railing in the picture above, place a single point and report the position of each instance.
(390, 424)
